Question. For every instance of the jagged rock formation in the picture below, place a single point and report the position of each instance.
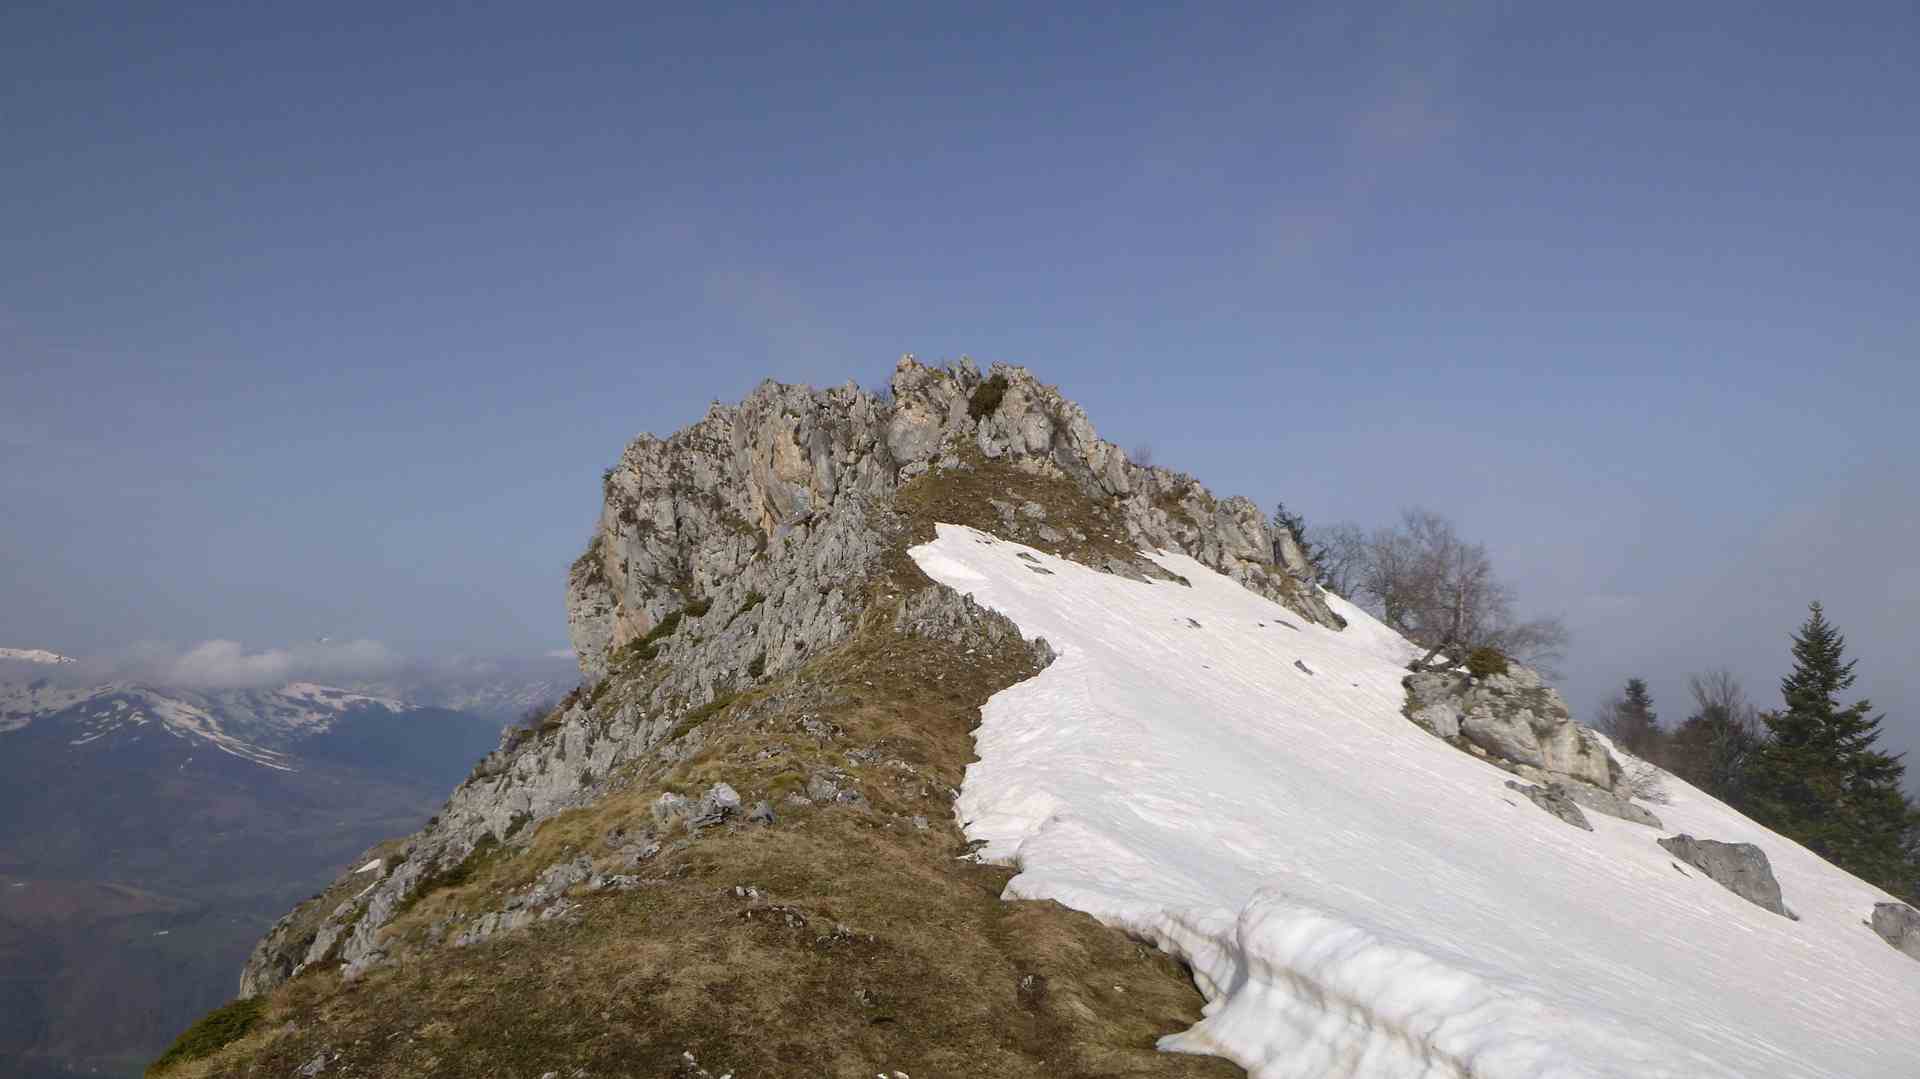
(747, 489)
(1898, 925)
(1740, 868)
(735, 562)
(1612, 803)
(1554, 802)
(1520, 722)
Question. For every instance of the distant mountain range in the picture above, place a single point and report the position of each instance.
(506, 689)
(149, 834)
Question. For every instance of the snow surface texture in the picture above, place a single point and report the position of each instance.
(1358, 898)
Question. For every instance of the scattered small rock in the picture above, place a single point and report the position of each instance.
(668, 808)
(761, 813)
(1553, 802)
(715, 807)
(1600, 801)
(1303, 667)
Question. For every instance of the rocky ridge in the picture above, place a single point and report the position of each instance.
(759, 539)
(1518, 722)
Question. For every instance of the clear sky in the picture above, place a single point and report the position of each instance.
(324, 319)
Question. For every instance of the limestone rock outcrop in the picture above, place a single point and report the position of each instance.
(1600, 801)
(1515, 718)
(1898, 925)
(744, 545)
(742, 489)
(1740, 868)
(1554, 802)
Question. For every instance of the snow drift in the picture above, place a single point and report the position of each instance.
(1357, 898)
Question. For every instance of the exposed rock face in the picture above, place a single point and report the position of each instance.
(755, 536)
(1592, 797)
(1898, 925)
(1514, 717)
(737, 493)
(1740, 868)
(1553, 802)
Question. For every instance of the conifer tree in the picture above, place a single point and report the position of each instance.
(1819, 778)
(1634, 724)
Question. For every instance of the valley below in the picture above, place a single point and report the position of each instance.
(138, 869)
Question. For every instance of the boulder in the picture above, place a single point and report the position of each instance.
(1740, 868)
(719, 803)
(1898, 925)
(1600, 801)
(1514, 717)
(1553, 802)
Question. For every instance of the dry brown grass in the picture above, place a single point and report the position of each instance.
(961, 497)
(871, 945)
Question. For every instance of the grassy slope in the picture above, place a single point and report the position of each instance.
(867, 943)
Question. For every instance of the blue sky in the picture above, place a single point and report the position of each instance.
(325, 319)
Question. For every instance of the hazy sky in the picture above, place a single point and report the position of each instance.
(324, 319)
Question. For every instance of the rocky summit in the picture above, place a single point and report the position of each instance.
(923, 733)
(734, 848)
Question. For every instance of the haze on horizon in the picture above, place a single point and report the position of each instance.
(323, 322)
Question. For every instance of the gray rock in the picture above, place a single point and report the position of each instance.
(1592, 797)
(1553, 802)
(742, 498)
(1898, 925)
(1434, 701)
(824, 786)
(761, 813)
(669, 807)
(771, 516)
(556, 879)
(1515, 717)
(720, 803)
(1740, 868)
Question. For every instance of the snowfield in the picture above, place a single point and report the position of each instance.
(1358, 898)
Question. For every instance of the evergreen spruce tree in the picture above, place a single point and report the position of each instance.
(1636, 726)
(1819, 778)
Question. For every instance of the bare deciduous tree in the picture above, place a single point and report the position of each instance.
(1440, 591)
(1343, 558)
(1711, 749)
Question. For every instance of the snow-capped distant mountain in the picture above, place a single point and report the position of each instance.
(261, 726)
(33, 655)
(128, 810)
(502, 689)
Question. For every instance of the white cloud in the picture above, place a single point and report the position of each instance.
(224, 664)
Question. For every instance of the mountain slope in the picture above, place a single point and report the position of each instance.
(740, 850)
(150, 836)
(1356, 896)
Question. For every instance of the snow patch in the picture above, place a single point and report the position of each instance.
(1357, 898)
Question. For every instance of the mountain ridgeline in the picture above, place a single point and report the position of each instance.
(818, 805)
(738, 836)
